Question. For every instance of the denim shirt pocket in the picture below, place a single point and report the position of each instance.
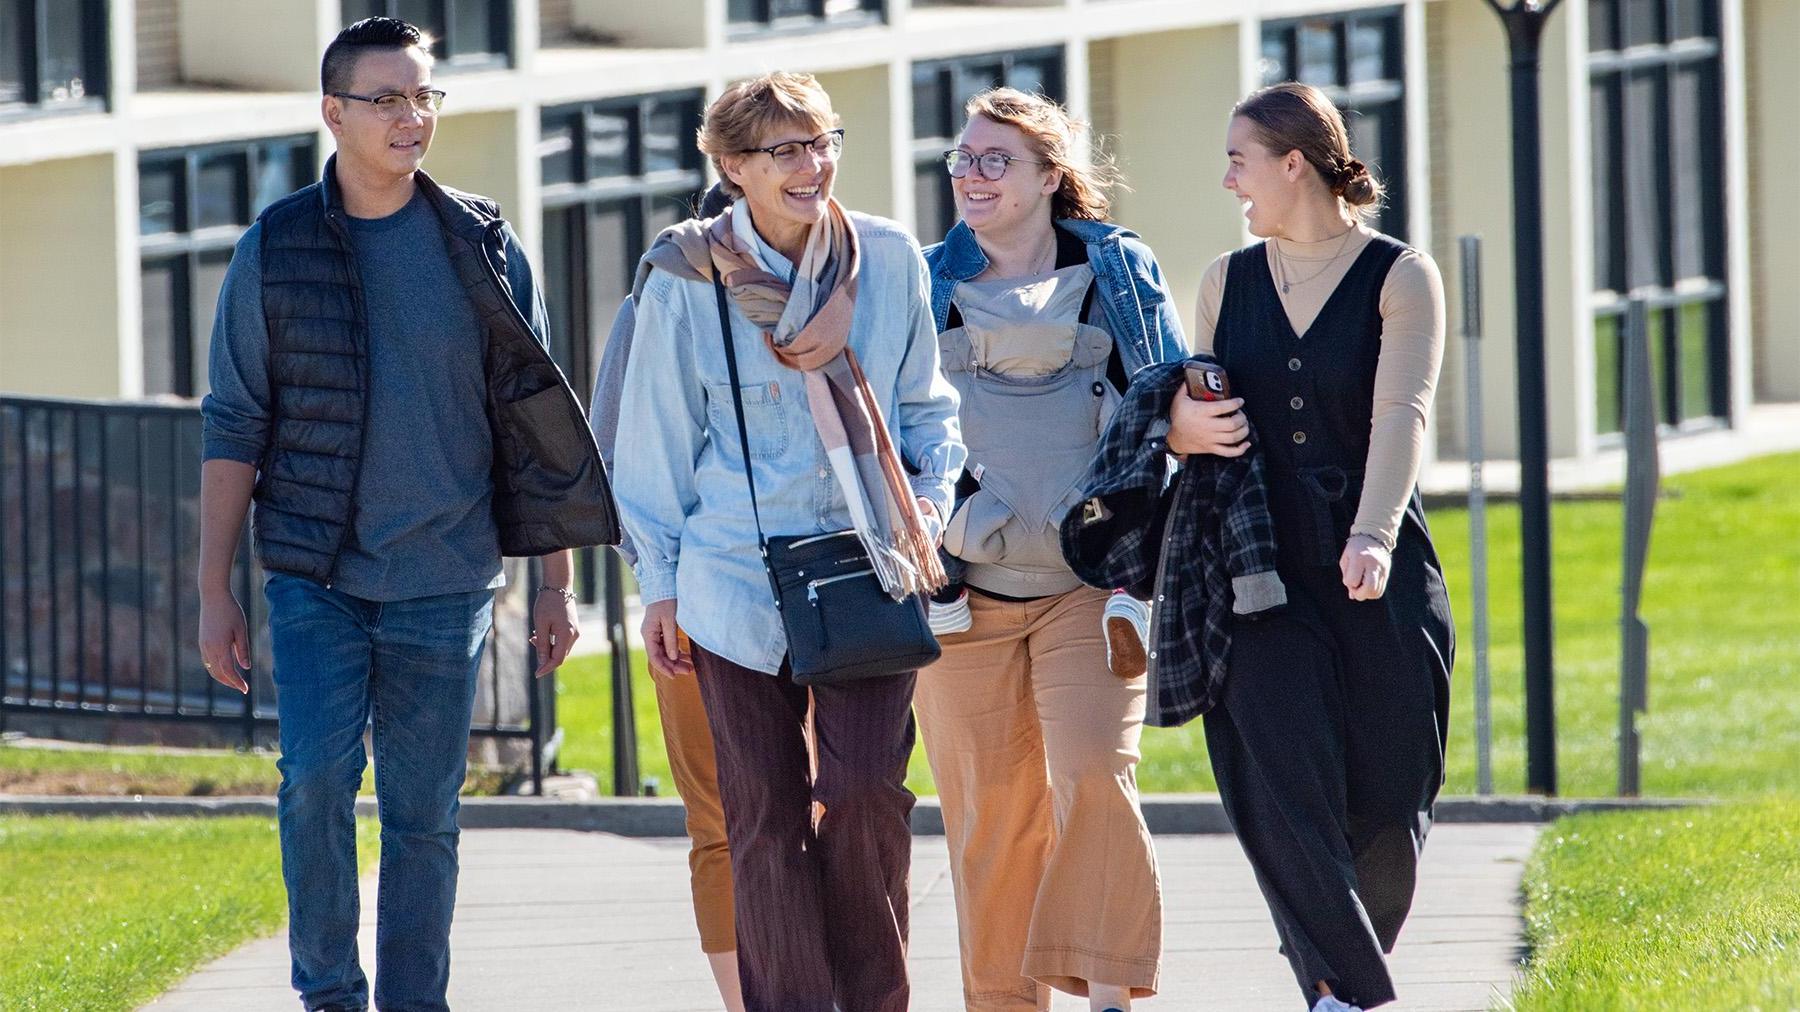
(764, 417)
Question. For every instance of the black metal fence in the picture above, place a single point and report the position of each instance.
(99, 604)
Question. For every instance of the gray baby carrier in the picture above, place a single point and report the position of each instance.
(1035, 399)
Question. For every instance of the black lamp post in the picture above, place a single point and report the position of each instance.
(1524, 21)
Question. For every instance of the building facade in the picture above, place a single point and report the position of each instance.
(139, 139)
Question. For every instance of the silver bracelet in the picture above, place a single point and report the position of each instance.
(567, 594)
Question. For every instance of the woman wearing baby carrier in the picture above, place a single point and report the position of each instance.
(1328, 741)
(782, 387)
(1031, 719)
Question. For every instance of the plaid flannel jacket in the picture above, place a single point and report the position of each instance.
(1201, 547)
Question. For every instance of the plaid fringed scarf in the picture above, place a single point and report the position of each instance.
(807, 326)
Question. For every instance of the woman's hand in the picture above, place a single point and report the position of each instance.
(934, 524)
(1365, 565)
(1215, 427)
(662, 641)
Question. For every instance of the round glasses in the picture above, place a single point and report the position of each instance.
(790, 156)
(390, 106)
(991, 165)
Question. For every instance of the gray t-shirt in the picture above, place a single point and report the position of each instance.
(424, 520)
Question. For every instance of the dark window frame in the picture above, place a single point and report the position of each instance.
(574, 278)
(187, 248)
(33, 43)
(1626, 51)
(745, 19)
(951, 81)
(446, 46)
(1385, 94)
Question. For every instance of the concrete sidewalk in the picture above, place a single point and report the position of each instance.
(559, 920)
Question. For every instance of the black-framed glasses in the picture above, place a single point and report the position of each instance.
(389, 106)
(991, 165)
(791, 155)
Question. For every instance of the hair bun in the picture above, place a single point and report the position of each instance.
(1356, 184)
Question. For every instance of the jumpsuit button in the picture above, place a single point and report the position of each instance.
(1293, 365)
(824, 473)
(1297, 404)
(1299, 437)
(1099, 389)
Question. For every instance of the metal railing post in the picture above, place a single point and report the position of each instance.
(1642, 476)
(626, 780)
(1478, 574)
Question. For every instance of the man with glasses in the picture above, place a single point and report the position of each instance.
(381, 388)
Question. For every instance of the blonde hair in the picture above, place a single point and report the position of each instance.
(1051, 132)
(1298, 117)
(740, 116)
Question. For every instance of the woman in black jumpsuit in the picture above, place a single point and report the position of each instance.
(1328, 742)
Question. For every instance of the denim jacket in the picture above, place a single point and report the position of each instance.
(1139, 310)
(679, 469)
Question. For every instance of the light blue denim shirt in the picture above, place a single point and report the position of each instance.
(1133, 293)
(679, 471)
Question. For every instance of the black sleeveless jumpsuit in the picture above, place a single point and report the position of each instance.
(1328, 743)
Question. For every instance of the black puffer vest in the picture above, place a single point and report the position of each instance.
(550, 490)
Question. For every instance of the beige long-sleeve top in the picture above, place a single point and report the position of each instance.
(1406, 372)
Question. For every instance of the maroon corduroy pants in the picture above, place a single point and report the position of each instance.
(821, 904)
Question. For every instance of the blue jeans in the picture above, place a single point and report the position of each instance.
(412, 664)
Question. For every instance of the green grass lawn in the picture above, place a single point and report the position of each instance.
(105, 914)
(1695, 909)
(27, 770)
(1720, 600)
(123, 772)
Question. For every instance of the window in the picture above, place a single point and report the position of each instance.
(761, 16)
(470, 34)
(940, 90)
(614, 174)
(1359, 61)
(52, 55)
(193, 205)
(1656, 116)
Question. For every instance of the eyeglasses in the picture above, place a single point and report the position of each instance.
(392, 105)
(991, 165)
(790, 156)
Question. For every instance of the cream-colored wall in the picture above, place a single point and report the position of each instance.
(864, 180)
(268, 44)
(1162, 107)
(476, 152)
(59, 297)
(1772, 34)
(1472, 178)
(683, 23)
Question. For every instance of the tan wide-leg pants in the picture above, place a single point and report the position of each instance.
(1034, 746)
(689, 741)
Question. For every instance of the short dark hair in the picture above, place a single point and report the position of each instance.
(339, 65)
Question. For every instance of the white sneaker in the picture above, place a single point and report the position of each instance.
(949, 619)
(1126, 626)
(1330, 1003)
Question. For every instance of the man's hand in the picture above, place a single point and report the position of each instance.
(1365, 565)
(1215, 427)
(225, 640)
(554, 628)
(662, 641)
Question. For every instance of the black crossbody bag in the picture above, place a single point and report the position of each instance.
(841, 625)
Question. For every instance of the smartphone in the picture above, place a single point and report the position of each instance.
(1206, 382)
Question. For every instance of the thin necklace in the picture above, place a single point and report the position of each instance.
(1042, 261)
(1281, 261)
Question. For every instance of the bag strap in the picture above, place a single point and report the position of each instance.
(737, 404)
